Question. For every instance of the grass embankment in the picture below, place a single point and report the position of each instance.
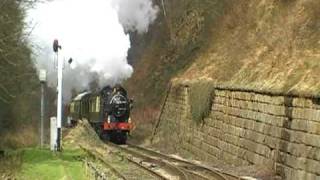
(44, 164)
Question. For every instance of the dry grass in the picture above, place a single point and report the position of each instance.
(83, 134)
(10, 164)
(273, 46)
(144, 120)
(26, 136)
(269, 46)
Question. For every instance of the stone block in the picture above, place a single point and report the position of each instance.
(274, 131)
(263, 150)
(239, 122)
(284, 171)
(257, 137)
(249, 124)
(299, 150)
(259, 98)
(212, 140)
(310, 139)
(229, 158)
(212, 149)
(266, 99)
(293, 161)
(302, 102)
(218, 100)
(250, 156)
(300, 174)
(231, 139)
(259, 127)
(196, 142)
(215, 132)
(300, 125)
(313, 127)
(211, 158)
(261, 160)
(220, 93)
(279, 121)
(277, 100)
(231, 148)
(289, 174)
(307, 114)
(218, 144)
(313, 166)
(314, 153)
(277, 110)
(272, 142)
(250, 145)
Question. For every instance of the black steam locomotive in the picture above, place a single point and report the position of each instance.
(108, 111)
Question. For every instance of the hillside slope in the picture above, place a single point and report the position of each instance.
(269, 45)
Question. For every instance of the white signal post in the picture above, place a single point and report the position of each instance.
(43, 79)
(56, 48)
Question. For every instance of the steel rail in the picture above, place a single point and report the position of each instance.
(147, 169)
(169, 168)
(183, 163)
(195, 175)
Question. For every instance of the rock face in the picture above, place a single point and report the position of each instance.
(248, 128)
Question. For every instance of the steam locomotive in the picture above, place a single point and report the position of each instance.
(108, 111)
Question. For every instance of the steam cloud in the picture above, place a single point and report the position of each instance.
(93, 33)
(136, 15)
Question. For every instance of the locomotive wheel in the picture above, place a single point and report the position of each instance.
(105, 136)
(119, 137)
(113, 136)
(122, 138)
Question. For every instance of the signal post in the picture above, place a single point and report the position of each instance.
(56, 48)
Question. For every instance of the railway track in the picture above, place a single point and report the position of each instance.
(161, 169)
(122, 171)
(143, 163)
(167, 167)
(187, 165)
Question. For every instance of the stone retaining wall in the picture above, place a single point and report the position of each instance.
(245, 128)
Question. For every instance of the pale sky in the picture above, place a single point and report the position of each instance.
(92, 33)
(89, 32)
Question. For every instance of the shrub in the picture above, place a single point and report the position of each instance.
(200, 98)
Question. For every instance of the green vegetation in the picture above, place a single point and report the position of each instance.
(201, 98)
(19, 84)
(44, 164)
(18, 78)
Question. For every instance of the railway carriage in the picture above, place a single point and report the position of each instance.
(108, 111)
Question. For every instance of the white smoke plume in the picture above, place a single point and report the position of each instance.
(92, 33)
(136, 15)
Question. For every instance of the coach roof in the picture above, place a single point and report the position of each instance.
(80, 96)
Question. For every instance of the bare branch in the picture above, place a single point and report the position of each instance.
(14, 34)
(3, 3)
(8, 61)
(4, 100)
(6, 91)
